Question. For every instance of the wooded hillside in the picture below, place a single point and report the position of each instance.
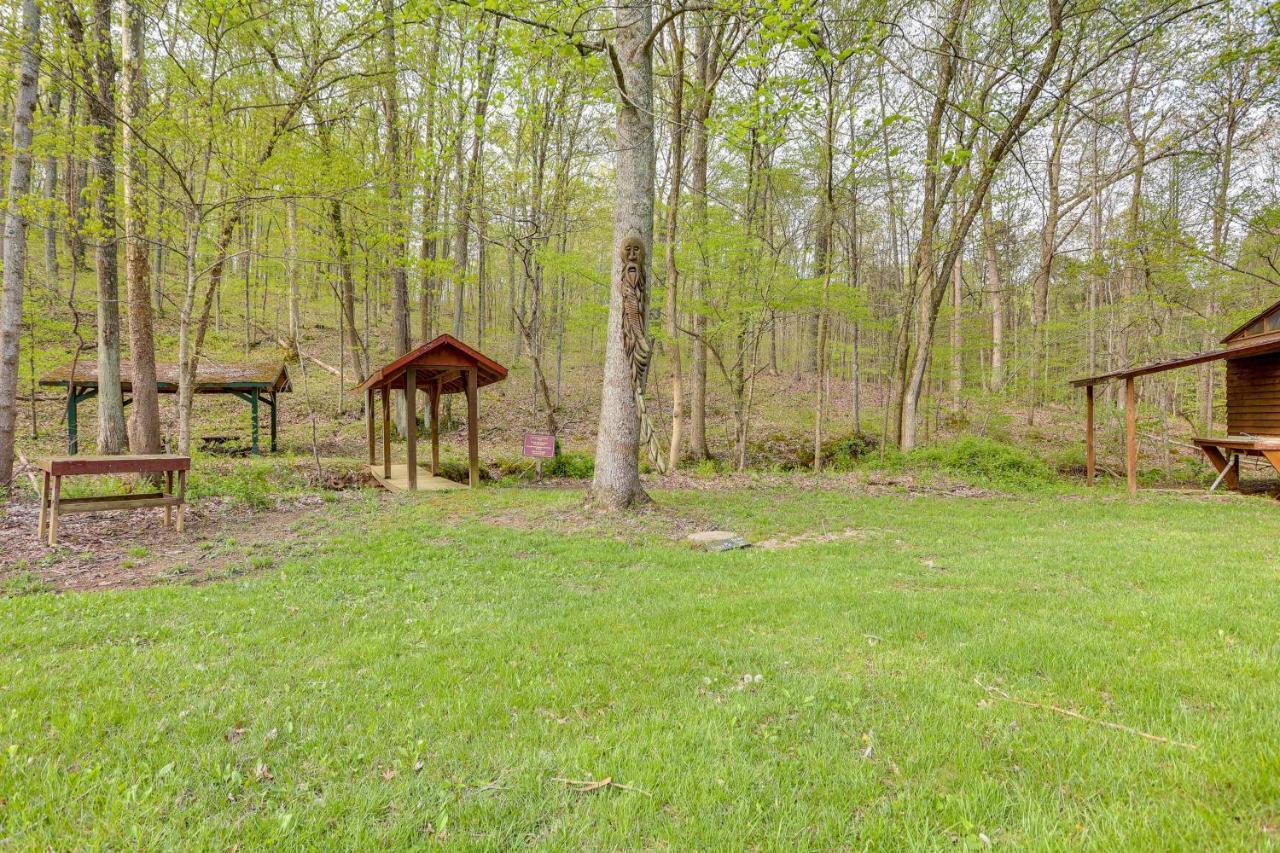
(856, 215)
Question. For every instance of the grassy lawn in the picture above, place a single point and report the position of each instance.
(431, 676)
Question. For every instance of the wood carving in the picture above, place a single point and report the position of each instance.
(636, 342)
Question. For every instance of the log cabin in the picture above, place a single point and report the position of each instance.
(1252, 354)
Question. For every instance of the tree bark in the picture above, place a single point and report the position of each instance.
(144, 420)
(102, 117)
(616, 484)
(15, 236)
(678, 132)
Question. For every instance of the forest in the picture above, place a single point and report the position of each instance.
(817, 275)
(923, 214)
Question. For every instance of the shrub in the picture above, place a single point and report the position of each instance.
(985, 459)
(575, 466)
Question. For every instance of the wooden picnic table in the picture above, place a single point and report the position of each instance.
(52, 504)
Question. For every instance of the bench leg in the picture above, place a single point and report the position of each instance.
(182, 497)
(168, 490)
(53, 511)
(44, 505)
(1220, 464)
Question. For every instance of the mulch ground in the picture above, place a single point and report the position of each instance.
(131, 549)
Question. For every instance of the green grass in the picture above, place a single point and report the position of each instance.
(428, 677)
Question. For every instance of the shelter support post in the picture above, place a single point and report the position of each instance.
(411, 426)
(75, 394)
(369, 429)
(473, 427)
(73, 432)
(386, 432)
(1131, 434)
(1090, 452)
(253, 428)
(271, 401)
(435, 427)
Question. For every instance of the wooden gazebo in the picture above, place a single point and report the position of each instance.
(444, 366)
(253, 383)
(1252, 354)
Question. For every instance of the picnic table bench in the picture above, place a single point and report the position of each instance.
(52, 504)
(1224, 454)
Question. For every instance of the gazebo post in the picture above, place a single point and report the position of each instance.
(1131, 434)
(473, 426)
(435, 426)
(411, 426)
(386, 432)
(1090, 454)
(369, 428)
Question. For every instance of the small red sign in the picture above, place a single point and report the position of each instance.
(540, 445)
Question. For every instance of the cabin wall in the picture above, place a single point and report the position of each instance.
(1253, 395)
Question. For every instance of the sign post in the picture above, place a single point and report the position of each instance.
(539, 446)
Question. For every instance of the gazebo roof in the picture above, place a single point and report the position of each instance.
(210, 379)
(447, 359)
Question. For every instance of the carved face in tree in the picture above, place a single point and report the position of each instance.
(632, 251)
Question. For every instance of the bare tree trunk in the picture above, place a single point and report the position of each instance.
(398, 225)
(291, 273)
(102, 116)
(15, 236)
(703, 92)
(144, 421)
(467, 204)
(51, 194)
(673, 226)
(616, 484)
(957, 338)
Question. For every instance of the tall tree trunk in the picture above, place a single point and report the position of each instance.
(957, 338)
(144, 421)
(616, 484)
(678, 132)
(101, 69)
(15, 236)
(398, 224)
(51, 195)
(466, 206)
(698, 144)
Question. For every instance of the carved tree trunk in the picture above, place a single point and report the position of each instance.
(616, 484)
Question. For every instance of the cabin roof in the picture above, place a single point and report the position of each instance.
(1239, 331)
(210, 378)
(445, 359)
(1270, 345)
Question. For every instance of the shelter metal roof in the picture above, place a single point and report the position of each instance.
(210, 378)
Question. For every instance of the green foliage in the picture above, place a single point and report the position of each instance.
(577, 466)
(982, 459)
(22, 582)
(254, 483)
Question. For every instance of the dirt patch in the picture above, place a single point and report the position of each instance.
(779, 543)
(859, 482)
(122, 550)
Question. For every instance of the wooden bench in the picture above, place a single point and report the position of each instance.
(52, 504)
(1224, 454)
